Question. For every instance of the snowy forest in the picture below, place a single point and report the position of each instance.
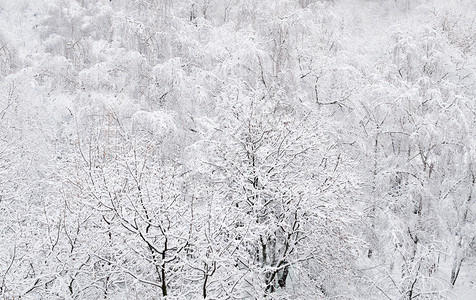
(238, 149)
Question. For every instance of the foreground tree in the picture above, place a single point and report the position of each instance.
(286, 191)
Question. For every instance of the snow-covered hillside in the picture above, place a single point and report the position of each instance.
(237, 149)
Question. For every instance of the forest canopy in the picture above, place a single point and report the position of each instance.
(237, 149)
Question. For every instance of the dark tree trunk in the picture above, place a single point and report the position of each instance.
(283, 277)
